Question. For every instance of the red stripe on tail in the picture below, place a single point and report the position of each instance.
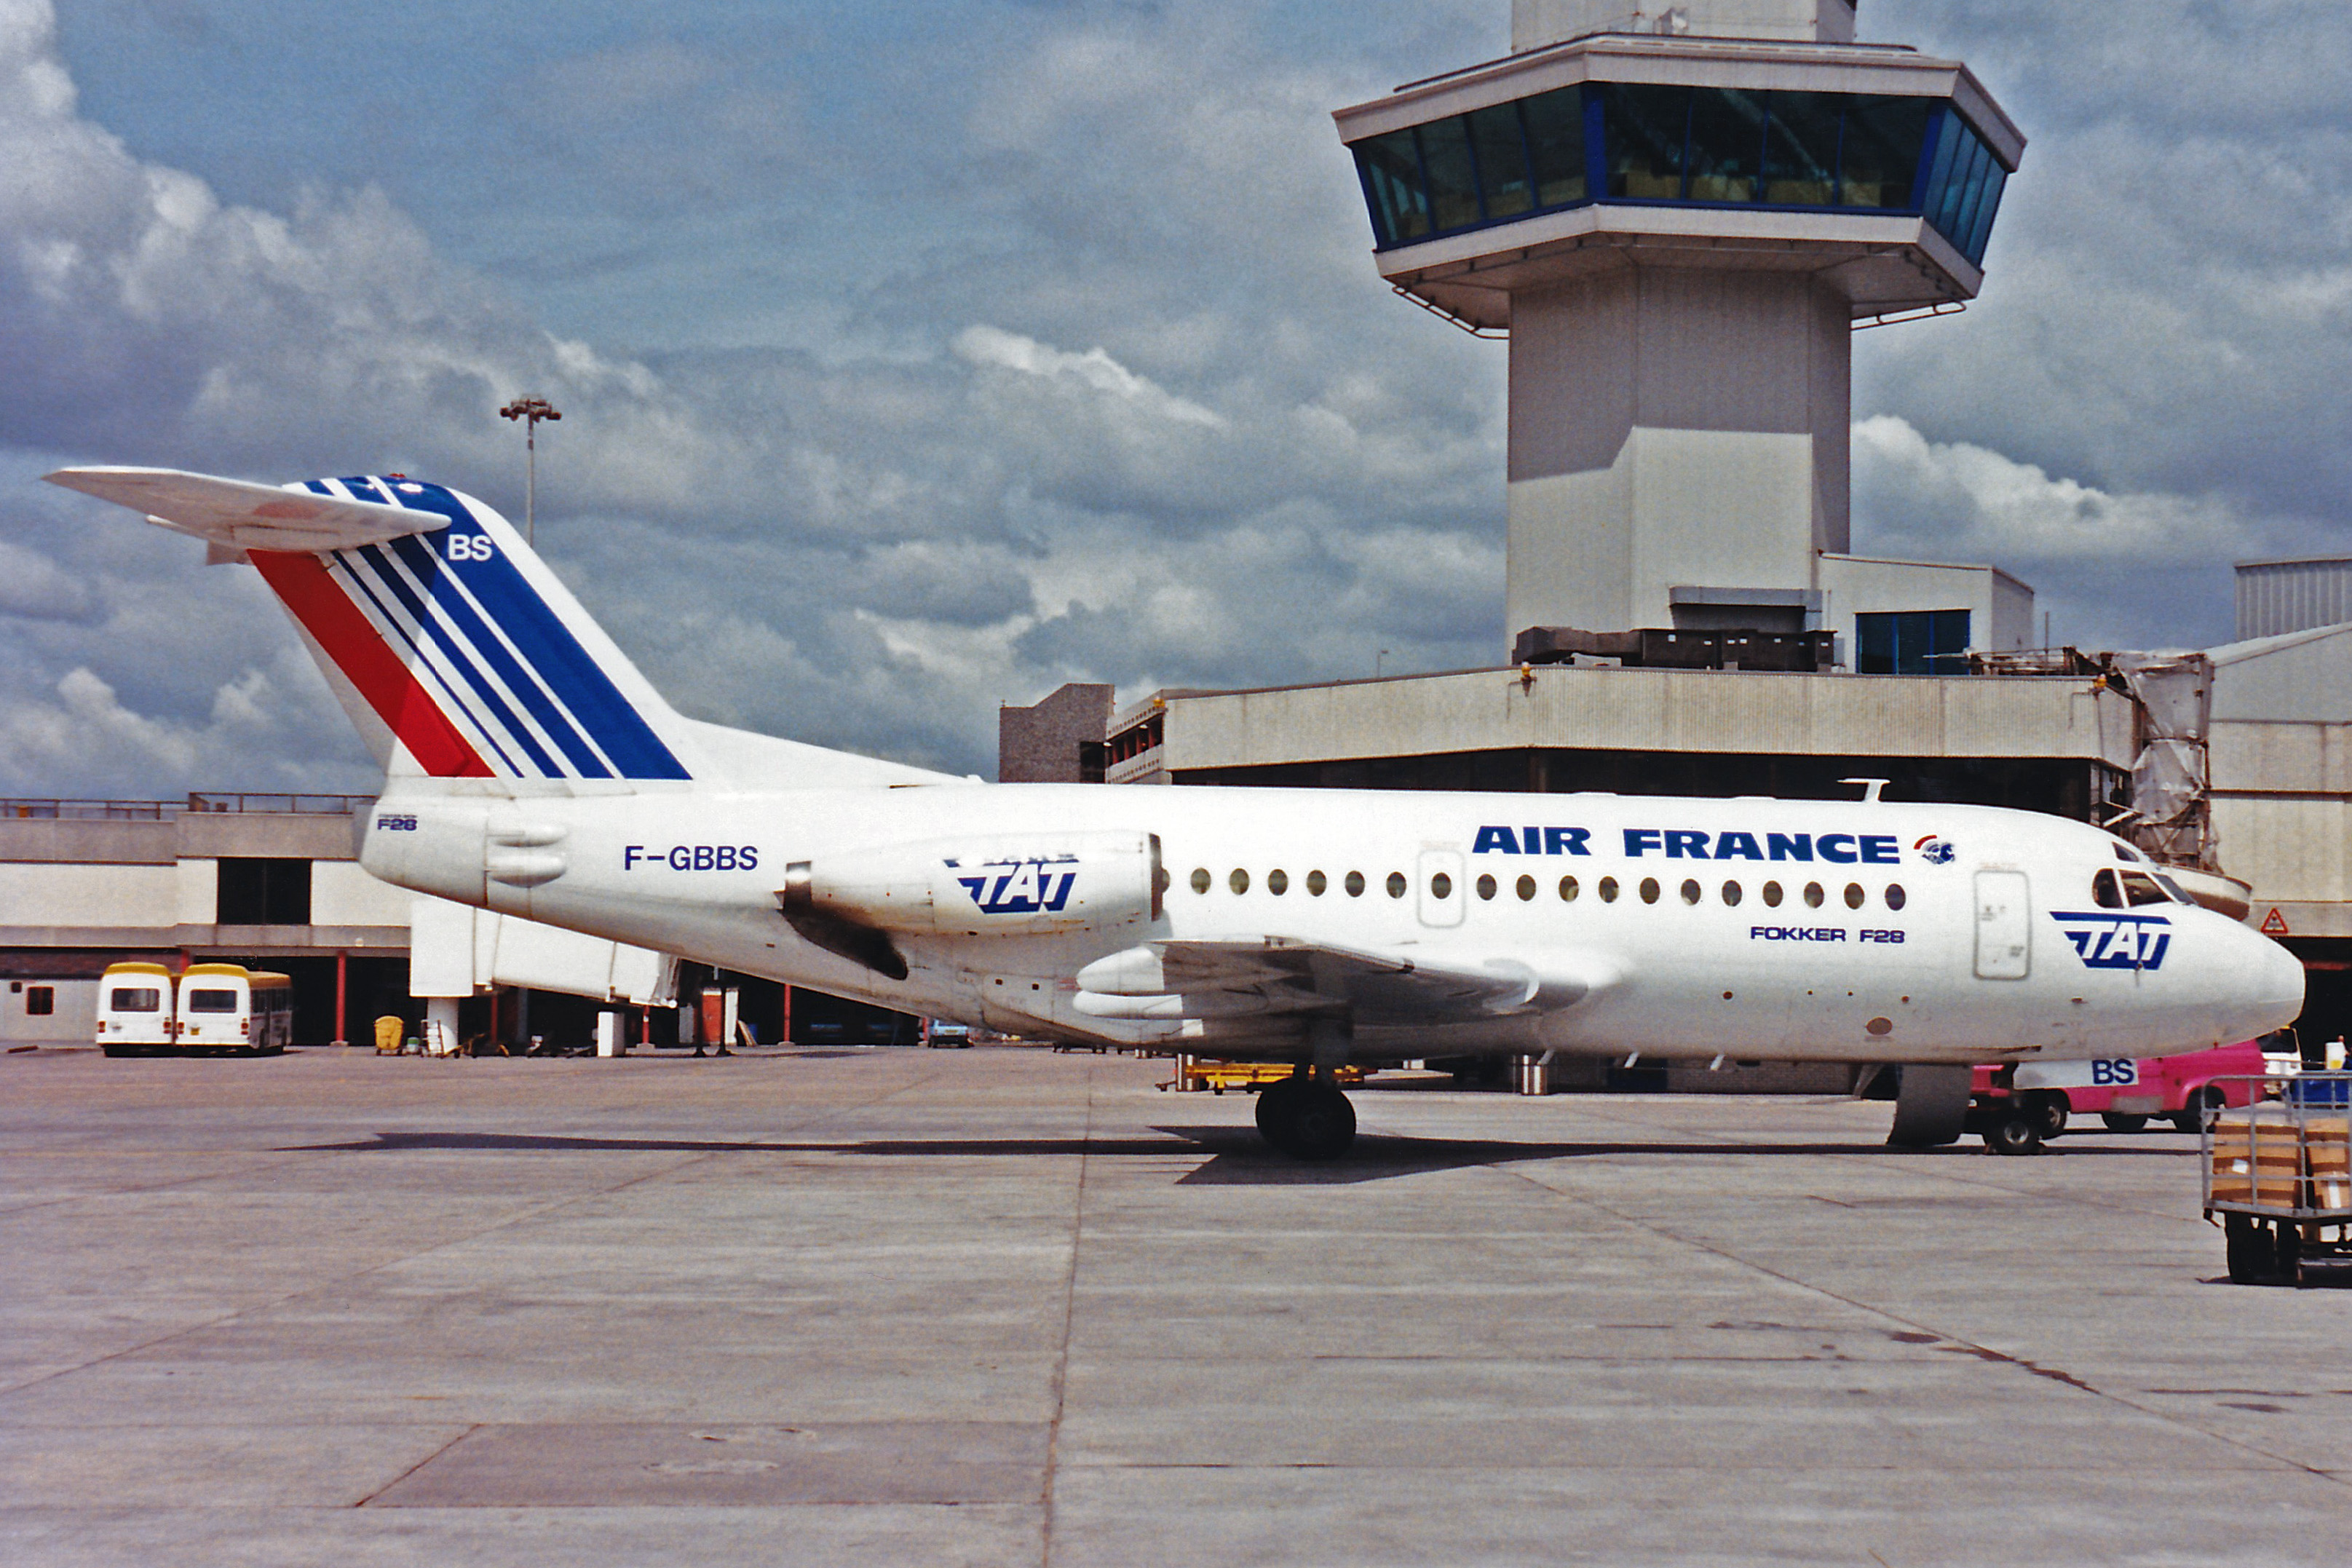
(366, 660)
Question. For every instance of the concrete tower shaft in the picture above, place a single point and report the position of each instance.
(1677, 433)
(1676, 213)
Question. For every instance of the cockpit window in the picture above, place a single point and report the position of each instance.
(2169, 886)
(2139, 887)
(2105, 892)
(2127, 855)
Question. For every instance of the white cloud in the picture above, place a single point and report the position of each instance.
(1094, 369)
(1958, 500)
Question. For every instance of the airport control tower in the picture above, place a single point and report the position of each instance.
(1679, 215)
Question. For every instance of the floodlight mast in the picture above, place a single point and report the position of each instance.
(531, 411)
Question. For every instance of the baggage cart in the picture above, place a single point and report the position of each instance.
(2278, 1178)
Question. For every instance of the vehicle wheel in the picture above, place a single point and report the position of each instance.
(2199, 1114)
(1277, 1108)
(2122, 1121)
(1323, 1124)
(2016, 1132)
(2287, 1248)
(2049, 1110)
(2253, 1255)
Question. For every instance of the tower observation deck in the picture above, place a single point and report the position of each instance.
(1678, 216)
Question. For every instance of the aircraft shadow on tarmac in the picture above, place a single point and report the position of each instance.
(1233, 1156)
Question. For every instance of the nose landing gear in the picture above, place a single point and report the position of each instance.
(1307, 1117)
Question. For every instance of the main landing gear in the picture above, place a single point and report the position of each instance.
(1306, 1117)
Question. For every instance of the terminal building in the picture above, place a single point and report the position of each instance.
(1677, 217)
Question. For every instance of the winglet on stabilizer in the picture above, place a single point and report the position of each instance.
(237, 515)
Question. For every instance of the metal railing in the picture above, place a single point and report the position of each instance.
(42, 808)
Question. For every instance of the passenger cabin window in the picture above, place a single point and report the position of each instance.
(1238, 882)
(1813, 895)
(1277, 881)
(1771, 895)
(1441, 886)
(1895, 897)
(1731, 895)
(135, 999)
(1316, 884)
(1568, 890)
(1691, 892)
(1486, 886)
(1649, 889)
(1526, 889)
(1397, 884)
(1200, 879)
(1608, 889)
(1355, 884)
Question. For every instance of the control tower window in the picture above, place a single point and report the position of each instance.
(1722, 146)
(1502, 160)
(1453, 184)
(1878, 158)
(1648, 128)
(1801, 158)
(1391, 165)
(1727, 145)
(1555, 122)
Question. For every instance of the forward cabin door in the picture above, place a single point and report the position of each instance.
(2004, 925)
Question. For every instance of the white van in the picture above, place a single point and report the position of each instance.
(135, 1011)
(227, 1007)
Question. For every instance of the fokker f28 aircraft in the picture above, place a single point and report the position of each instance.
(530, 769)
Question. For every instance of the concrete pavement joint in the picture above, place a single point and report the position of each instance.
(1956, 1343)
(1061, 1352)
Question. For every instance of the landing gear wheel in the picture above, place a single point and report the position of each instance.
(2122, 1121)
(1278, 1110)
(2252, 1253)
(2013, 1132)
(2048, 1110)
(2203, 1108)
(1323, 1124)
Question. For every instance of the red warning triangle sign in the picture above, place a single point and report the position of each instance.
(2274, 924)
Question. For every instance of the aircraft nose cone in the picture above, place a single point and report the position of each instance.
(2280, 980)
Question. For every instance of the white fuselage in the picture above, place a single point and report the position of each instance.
(1937, 935)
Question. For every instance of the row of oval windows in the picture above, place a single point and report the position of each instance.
(1441, 886)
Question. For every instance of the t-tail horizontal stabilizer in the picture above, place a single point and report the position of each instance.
(238, 515)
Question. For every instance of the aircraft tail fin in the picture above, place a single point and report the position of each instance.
(456, 650)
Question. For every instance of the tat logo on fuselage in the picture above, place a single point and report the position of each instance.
(1037, 886)
(2105, 940)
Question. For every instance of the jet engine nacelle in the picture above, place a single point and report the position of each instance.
(1002, 885)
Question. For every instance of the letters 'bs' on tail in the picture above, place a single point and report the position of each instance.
(456, 650)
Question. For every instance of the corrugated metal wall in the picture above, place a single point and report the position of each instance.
(2276, 597)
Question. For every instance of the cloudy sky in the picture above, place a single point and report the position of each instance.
(916, 359)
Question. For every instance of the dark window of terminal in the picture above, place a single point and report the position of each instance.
(257, 892)
(1912, 642)
(1800, 157)
(40, 1000)
(1878, 159)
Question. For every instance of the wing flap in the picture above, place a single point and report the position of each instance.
(237, 514)
(1267, 976)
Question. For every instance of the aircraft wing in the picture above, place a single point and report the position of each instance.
(1266, 975)
(237, 514)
